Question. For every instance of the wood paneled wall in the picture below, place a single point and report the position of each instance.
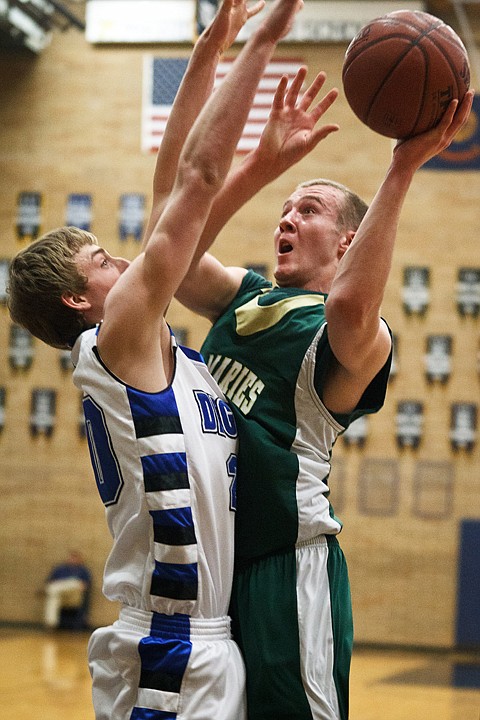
(70, 122)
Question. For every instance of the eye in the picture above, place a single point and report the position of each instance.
(308, 210)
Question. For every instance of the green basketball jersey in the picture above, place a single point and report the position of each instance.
(268, 352)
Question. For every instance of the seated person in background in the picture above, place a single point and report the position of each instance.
(67, 592)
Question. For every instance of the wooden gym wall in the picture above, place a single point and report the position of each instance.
(70, 123)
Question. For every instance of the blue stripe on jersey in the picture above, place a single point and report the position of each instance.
(174, 580)
(173, 527)
(154, 413)
(167, 471)
(192, 354)
(141, 713)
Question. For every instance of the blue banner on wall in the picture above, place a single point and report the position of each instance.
(467, 632)
(464, 152)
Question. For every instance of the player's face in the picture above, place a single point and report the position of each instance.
(307, 237)
(102, 271)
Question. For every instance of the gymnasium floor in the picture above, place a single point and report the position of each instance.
(45, 676)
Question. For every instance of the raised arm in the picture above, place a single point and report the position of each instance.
(135, 306)
(194, 91)
(290, 134)
(358, 337)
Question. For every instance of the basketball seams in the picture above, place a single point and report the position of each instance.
(382, 27)
(388, 77)
(402, 70)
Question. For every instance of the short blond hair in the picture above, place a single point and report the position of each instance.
(38, 277)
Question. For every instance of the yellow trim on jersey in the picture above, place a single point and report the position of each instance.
(252, 317)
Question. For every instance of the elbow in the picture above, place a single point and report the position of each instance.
(199, 173)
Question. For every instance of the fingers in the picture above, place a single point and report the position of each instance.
(453, 119)
(321, 133)
(462, 112)
(420, 148)
(234, 14)
(456, 114)
(295, 86)
(312, 91)
(324, 104)
(251, 12)
(279, 97)
(286, 96)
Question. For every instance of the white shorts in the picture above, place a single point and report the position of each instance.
(148, 666)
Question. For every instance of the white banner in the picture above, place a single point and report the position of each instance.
(173, 21)
(140, 21)
(334, 21)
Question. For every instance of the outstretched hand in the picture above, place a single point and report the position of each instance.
(291, 132)
(233, 14)
(239, 14)
(416, 151)
(230, 19)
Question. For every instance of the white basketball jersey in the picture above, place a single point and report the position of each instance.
(165, 466)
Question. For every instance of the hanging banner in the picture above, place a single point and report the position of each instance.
(438, 359)
(180, 21)
(42, 416)
(409, 423)
(20, 348)
(132, 216)
(468, 291)
(415, 292)
(463, 426)
(28, 215)
(79, 210)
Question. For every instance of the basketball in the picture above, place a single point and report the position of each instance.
(402, 70)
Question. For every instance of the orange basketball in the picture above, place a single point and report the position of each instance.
(402, 70)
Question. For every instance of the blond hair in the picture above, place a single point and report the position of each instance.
(38, 277)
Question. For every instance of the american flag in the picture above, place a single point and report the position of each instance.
(162, 77)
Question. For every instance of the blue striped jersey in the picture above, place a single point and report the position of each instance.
(165, 467)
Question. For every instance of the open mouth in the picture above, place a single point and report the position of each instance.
(284, 247)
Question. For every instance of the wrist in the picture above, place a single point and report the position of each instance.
(259, 168)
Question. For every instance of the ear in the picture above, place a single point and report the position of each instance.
(346, 242)
(76, 302)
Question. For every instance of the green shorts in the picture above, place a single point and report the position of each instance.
(292, 618)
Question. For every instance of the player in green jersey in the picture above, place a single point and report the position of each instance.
(299, 362)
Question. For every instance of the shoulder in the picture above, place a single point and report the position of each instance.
(253, 281)
(86, 340)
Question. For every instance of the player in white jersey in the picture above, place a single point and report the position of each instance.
(164, 463)
(165, 467)
(161, 437)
